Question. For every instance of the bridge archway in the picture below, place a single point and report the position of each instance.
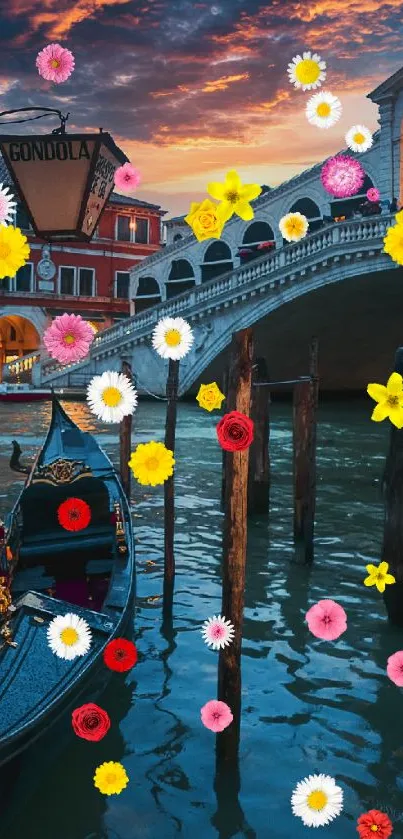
(18, 337)
(147, 294)
(257, 233)
(217, 260)
(181, 278)
(346, 207)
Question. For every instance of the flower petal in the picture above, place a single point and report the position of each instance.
(383, 567)
(380, 412)
(389, 579)
(369, 581)
(244, 210)
(225, 211)
(377, 392)
(396, 415)
(394, 384)
(380, 584)
(233, 182)
(249, 192)
(216, 190)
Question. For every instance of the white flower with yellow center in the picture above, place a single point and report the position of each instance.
(323, 109)
(317, 800)
(359, 138)
(307, 71)
(293, 227)
(7, 205)
(69, 636)
(111, 396)
(172, 338)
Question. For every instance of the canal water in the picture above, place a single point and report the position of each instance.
(308, 706)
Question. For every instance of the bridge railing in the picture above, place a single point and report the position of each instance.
(336, 235)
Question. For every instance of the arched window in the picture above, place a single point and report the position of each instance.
(177, 237)
(148, 294)
(258, 232)
(181, 278)
(348, 206)
(309, 209)
(217, 260)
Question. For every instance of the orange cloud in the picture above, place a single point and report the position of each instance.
(223, 83)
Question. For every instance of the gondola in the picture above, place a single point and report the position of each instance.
(52, 571)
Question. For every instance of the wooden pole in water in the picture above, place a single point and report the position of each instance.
(259, 465)
(234, 546)
(224, 453)
(169, 504)
(304, 434)
(125, 439)
(392, 549)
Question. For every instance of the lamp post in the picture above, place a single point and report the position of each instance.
(63, 180)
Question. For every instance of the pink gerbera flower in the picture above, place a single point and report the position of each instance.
(127, 177)
(395, 668)
(373, 194)
(55, 63)
(216, 715)
(68, 338)
(217, 632)
(326, 620)
(342, 176)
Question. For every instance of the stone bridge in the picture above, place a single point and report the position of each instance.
(336, 283)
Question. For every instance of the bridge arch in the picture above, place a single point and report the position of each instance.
(217, 260)
(19, 336)
(147, 293)
(181, 278)
(258, 231)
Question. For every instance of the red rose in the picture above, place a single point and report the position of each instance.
(374, 823)
(90, 722)
(120, 655)
(235, 432)
(74, 514)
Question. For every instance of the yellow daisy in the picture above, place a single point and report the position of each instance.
(235, 196)
(293, 227)
(307, 71)
(110, 778)
(210, 397)
(379, 577)
(389, 399)
(152, 463)
(393, 241)
(14, 250)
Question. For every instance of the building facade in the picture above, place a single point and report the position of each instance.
(89, 278)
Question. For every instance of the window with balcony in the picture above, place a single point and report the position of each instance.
(67, 280)
(86, 282)
(122, 283)
(123, 229)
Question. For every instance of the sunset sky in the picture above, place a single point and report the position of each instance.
(189, 90)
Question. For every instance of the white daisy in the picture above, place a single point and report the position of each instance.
(217, 632)
(7, 205)
(69, 636)
(307, 71)
(323, 109)
(359, 138)
(172, 338)
(317, 800)
(111, 396)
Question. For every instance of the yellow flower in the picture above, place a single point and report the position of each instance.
(393, 241)
(234, 196)
(206, 220)
(152, 463)
(379, 577)
(110, 778)
(14, 250)
(210, 396)
(390, 400)
(293, 226)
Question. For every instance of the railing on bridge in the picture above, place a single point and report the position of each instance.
(20, 370)
(332, 238)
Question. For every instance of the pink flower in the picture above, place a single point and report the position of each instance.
(373, 194)
(127, 177)
(55, 63)
(395, 668)
(68, 338)
(216, 715)
(217, 632)
(326, 620)
(342, 176)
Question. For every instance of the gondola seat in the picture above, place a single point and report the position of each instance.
(42, 533)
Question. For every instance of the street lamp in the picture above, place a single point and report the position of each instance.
(63, 180)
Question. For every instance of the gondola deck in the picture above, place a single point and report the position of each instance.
(35, 685)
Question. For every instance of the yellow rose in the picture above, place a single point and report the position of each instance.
(206, 220)
(210, 396)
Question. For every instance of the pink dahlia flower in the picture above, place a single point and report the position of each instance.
(68, 338)
(326, 620)
(216, 715)
(373, 194)
(342, 176)
(55, 63)
(395, 668)
(127, 177)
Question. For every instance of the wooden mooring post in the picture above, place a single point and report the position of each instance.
(169, 500)
(125, 439)
(259, 462)
(234, 546)
(304, 436)
(392, 485)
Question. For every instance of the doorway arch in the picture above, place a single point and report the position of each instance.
(18, 337)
